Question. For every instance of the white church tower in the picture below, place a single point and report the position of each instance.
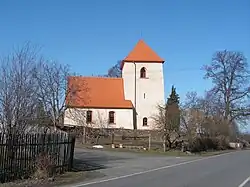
(142, 72)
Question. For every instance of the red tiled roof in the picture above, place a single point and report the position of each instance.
(96, 92)
(142, 53)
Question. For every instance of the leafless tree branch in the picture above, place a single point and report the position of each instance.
(230, 76)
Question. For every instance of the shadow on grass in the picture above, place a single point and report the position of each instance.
(81, 165)
(92, 161)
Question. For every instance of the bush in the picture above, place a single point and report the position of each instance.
(44, 166)
(222, 142)
(204, 144)
(197, 145)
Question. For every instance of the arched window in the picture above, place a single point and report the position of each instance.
(145, 121)
(143, 72)
(111, 117)
(89, 116)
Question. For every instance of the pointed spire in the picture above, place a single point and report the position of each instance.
(143, 53)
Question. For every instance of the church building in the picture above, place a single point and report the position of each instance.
(128, 102)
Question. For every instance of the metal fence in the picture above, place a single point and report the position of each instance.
(20, 154)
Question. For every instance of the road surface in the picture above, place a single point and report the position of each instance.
(124, 169)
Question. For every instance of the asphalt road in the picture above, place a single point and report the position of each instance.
(125, 169)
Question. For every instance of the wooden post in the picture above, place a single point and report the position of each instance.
(112, 139)
(83, 135)
(164, 144)
(182, 146)
(149, 141)
(71, 158)
(164, 141)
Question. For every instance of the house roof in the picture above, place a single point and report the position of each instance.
(96, 92)
(142, 53)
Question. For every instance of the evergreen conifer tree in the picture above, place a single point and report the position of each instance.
(173, 97)
(172, 110)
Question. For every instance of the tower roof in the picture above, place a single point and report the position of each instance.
(142, 53)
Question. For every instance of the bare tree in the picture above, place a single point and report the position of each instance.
(115, 71)
(52, 88)
(96, 128)
(208, 110)
(17, 94)
(77, 117)
(101, 123)
(202, 120)
(168, 119)
(230, 76)
(32, 90)
(192, 100)
(192, 117)
(169, 126)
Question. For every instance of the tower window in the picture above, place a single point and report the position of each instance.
(144, 95)
(145, 121)
(111, 117)
(143, 72)
(89, 116)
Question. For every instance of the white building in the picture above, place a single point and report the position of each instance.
(128, 102)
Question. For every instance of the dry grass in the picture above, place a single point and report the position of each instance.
(64, 179)
(173, 152)
(42, 178)
(155, 152)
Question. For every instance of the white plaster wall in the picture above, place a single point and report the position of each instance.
(77, 117)
(152, 86)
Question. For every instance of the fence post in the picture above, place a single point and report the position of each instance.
(149, 141)
(71, 158)
(84, 135)
(164, 144)
(112, 139)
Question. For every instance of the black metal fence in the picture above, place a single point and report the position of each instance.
(22, 155)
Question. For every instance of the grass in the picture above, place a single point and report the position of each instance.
(60, 180)
(171, 152)
(213, 153)
(75, 177)
(157, 152)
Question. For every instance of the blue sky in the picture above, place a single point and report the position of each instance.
(91, 35)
